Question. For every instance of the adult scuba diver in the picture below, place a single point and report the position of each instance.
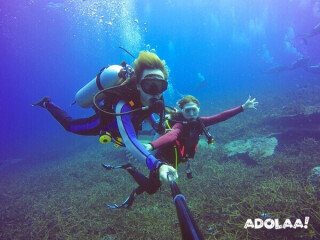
(314, 32)
(126, 98)
(179, 144)
(314, 69)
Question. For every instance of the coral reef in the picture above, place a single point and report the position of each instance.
(65, 199)
(257, 148)
(314, 177)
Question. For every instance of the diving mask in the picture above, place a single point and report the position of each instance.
(153, 84)
(190, 111)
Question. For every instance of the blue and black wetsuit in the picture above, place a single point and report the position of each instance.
(124, 126)
(90, 126)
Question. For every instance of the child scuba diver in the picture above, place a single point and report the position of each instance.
(179, 144)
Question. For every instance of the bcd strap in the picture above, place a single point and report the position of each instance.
(98, 82)
(206, 132)
(175, 148)
(161, 128)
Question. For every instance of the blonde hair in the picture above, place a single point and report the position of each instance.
(187, 99)
(149, 60)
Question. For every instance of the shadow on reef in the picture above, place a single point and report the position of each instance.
(245, 158)
(293, 128)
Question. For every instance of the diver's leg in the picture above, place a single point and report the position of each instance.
(126, 204)
(81, 126)
(61, 116)
(42, 103)
(129, 201)
(154, 183)
(109, 167)
(149, 185)
(142, 180)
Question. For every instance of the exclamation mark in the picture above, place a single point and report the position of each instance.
(306, 221)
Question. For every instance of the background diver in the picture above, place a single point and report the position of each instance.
(314, 32)
(179, 144)
(314, 69)
(300, 63)
(138, 96)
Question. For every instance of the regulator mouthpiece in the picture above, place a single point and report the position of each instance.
(157, 105)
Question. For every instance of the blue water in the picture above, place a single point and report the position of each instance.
(53, 48)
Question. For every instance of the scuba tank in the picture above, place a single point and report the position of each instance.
(107, 77)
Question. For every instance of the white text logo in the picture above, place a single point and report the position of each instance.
(270, 223)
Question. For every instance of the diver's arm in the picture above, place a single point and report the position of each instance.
(168, 138)
(315, 30)
(249, 104)
(221, 116)
(129, 138)
(81, 126)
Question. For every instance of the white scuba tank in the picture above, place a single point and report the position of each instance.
(109, 77)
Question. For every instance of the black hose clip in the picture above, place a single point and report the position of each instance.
(157, 106)
(126, 72)
(189, 170)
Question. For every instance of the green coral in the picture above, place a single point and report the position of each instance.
(66, 199)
